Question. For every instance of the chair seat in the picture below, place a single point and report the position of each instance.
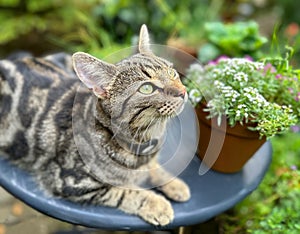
(211, 194)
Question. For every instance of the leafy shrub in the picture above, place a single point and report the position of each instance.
(233, 39)
(274, 206)
(96, 27)
(40, 26)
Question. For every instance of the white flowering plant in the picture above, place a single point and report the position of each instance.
(265, 95)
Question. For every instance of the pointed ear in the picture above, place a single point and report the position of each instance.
(93, 72)
(144, 41)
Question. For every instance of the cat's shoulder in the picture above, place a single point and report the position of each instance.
(60, 59)
(58, 63)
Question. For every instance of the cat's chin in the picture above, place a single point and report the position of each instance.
(179, 110)
(181, 107)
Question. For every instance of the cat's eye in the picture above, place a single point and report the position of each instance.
(172, 73)
(146, 89)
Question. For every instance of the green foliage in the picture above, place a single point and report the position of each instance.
(287, 79)
(274, 206)
(64, 24)
(97, 27)
(234, 40)
(123, 18)
(195, 17)
(289, 10)
(164, 18)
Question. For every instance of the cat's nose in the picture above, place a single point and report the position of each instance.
(182, 93)
(175, 92)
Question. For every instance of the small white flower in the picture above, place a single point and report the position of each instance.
(241, 106)
(216, 82)
(195, 96)
(196, 67)
(241, 76)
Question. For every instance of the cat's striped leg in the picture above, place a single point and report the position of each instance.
(151, 207)
(77, 185)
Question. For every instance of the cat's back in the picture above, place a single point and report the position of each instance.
(36, 95)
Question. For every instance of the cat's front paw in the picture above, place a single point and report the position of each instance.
(157, 210)
(176, 190)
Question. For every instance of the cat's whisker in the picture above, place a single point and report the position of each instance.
(146, 130)
(135, 135)
(119, 129)
(144, 133)
(141, 125)
(139, 131)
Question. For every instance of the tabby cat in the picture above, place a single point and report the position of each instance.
(134, 100)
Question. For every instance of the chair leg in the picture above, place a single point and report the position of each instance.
(184, 230)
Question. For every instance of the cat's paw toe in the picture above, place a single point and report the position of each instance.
(176, 190)
(157, 211)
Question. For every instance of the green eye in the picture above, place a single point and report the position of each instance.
(146, 89)
(172, 73)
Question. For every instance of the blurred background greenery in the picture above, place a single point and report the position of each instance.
(101, 27)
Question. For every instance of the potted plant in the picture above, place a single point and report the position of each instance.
(255, 100)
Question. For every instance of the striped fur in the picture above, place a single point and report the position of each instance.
(91, 150)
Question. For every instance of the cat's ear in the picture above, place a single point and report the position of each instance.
(144, 41)
(94, 73)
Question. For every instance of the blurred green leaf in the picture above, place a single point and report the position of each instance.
(235, 39)
(208, 52)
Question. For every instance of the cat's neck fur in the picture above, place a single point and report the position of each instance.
(136, 142)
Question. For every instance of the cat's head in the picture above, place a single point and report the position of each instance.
(138, 90)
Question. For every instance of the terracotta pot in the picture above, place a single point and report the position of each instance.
(224, 148)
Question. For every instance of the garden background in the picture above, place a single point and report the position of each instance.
(102, 27)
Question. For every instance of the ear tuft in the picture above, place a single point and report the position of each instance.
(144, 41)
(93, 72)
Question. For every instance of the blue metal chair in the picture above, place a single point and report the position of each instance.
(211, 194)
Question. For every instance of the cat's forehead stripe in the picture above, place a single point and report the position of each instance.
(152, 61)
